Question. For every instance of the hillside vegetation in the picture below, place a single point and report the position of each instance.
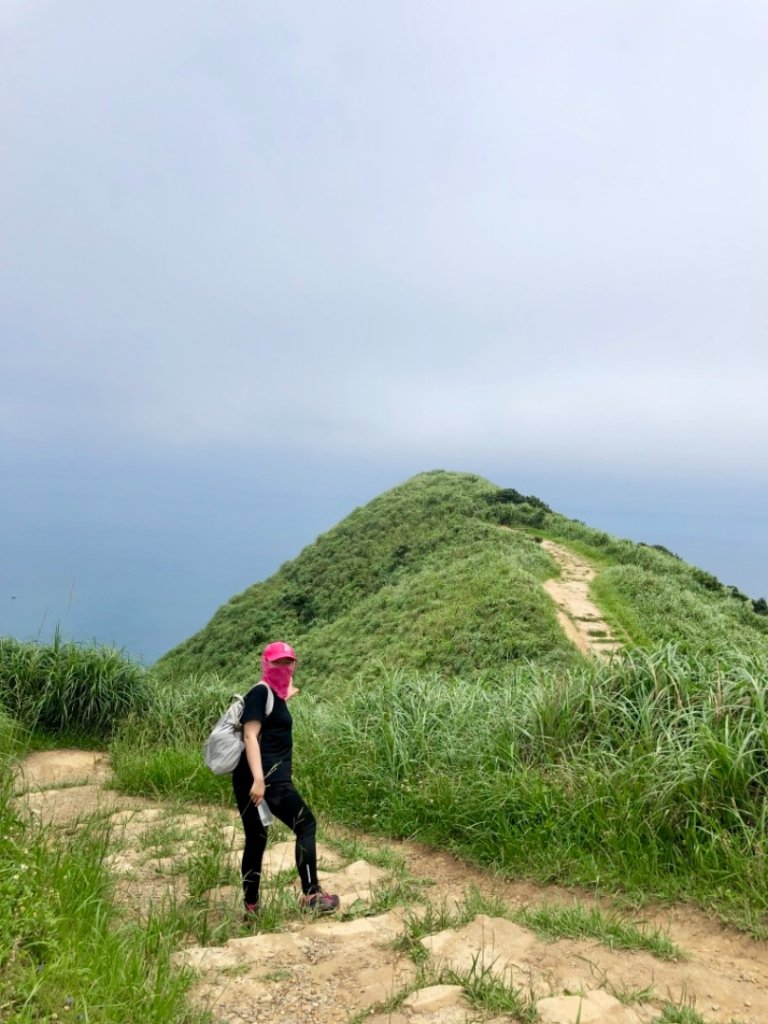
(442, 574)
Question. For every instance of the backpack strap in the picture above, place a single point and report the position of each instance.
(270, 696)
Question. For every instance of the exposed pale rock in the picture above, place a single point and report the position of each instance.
(436, 997)
(142, 815)
(375, 984)
(165, 865)
(595, 1007)
(64, 806)
(208, 958)
(579, 616)
(120, 864)
(267, 946)
(193, 821)
(282, 857)
(486, 944)
(381, 928)
(48, 767)
(236, 999)
(357, 881)
(231, 833)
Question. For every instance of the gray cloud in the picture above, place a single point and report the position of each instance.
(445, 229)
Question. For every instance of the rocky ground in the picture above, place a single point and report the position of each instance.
(422, 938)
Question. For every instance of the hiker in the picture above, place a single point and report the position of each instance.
(264, 772)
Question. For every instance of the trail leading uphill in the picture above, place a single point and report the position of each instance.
(581, 619)
(421, 931)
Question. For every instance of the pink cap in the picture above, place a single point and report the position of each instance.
(272, 652)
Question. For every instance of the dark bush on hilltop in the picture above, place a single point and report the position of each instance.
(707, 580)
(662, 549)
(69, 688)
(759, 604)
(509, 496)
(509, 507)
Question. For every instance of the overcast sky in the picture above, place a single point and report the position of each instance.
(261, 262)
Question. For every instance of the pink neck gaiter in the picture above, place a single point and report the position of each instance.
(278, 677)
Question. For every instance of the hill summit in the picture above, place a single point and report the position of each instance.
(445, 573)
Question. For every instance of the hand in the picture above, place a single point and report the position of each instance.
(292, 691)
(258, 789)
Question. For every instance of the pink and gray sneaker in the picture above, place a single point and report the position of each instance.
(250, 912)
(319, 902)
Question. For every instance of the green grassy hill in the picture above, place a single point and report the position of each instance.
(443, 574)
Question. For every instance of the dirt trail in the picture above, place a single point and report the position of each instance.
(336, 971)
(579, 616)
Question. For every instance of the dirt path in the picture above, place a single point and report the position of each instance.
(346, 969)
(579, 616)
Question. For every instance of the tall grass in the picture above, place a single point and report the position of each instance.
(648, 775)
(653, 606)
(69, 688)
(158, 752)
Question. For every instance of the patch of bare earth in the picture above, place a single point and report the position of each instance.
(579, 616)
(331, 971)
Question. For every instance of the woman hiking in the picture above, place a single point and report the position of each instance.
(264, 774)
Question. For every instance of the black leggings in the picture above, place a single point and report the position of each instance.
(286, 804)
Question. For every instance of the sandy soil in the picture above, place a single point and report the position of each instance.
(329, 971)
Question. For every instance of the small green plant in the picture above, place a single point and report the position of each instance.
(476, 902)
(279, 974)
(162, 839)
(629, 996)
(491, 991)
(576, 922)
(279, 906)
(207, 865)
(352, 848)
(399, 891)
(395, 1001)
(676, 1013)
(438, 917)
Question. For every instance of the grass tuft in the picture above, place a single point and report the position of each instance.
(579, 922)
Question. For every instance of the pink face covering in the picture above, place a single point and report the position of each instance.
(278, 677)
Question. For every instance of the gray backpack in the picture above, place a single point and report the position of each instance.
(223, 748)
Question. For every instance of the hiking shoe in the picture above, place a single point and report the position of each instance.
(319, 902)
(250, 912)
